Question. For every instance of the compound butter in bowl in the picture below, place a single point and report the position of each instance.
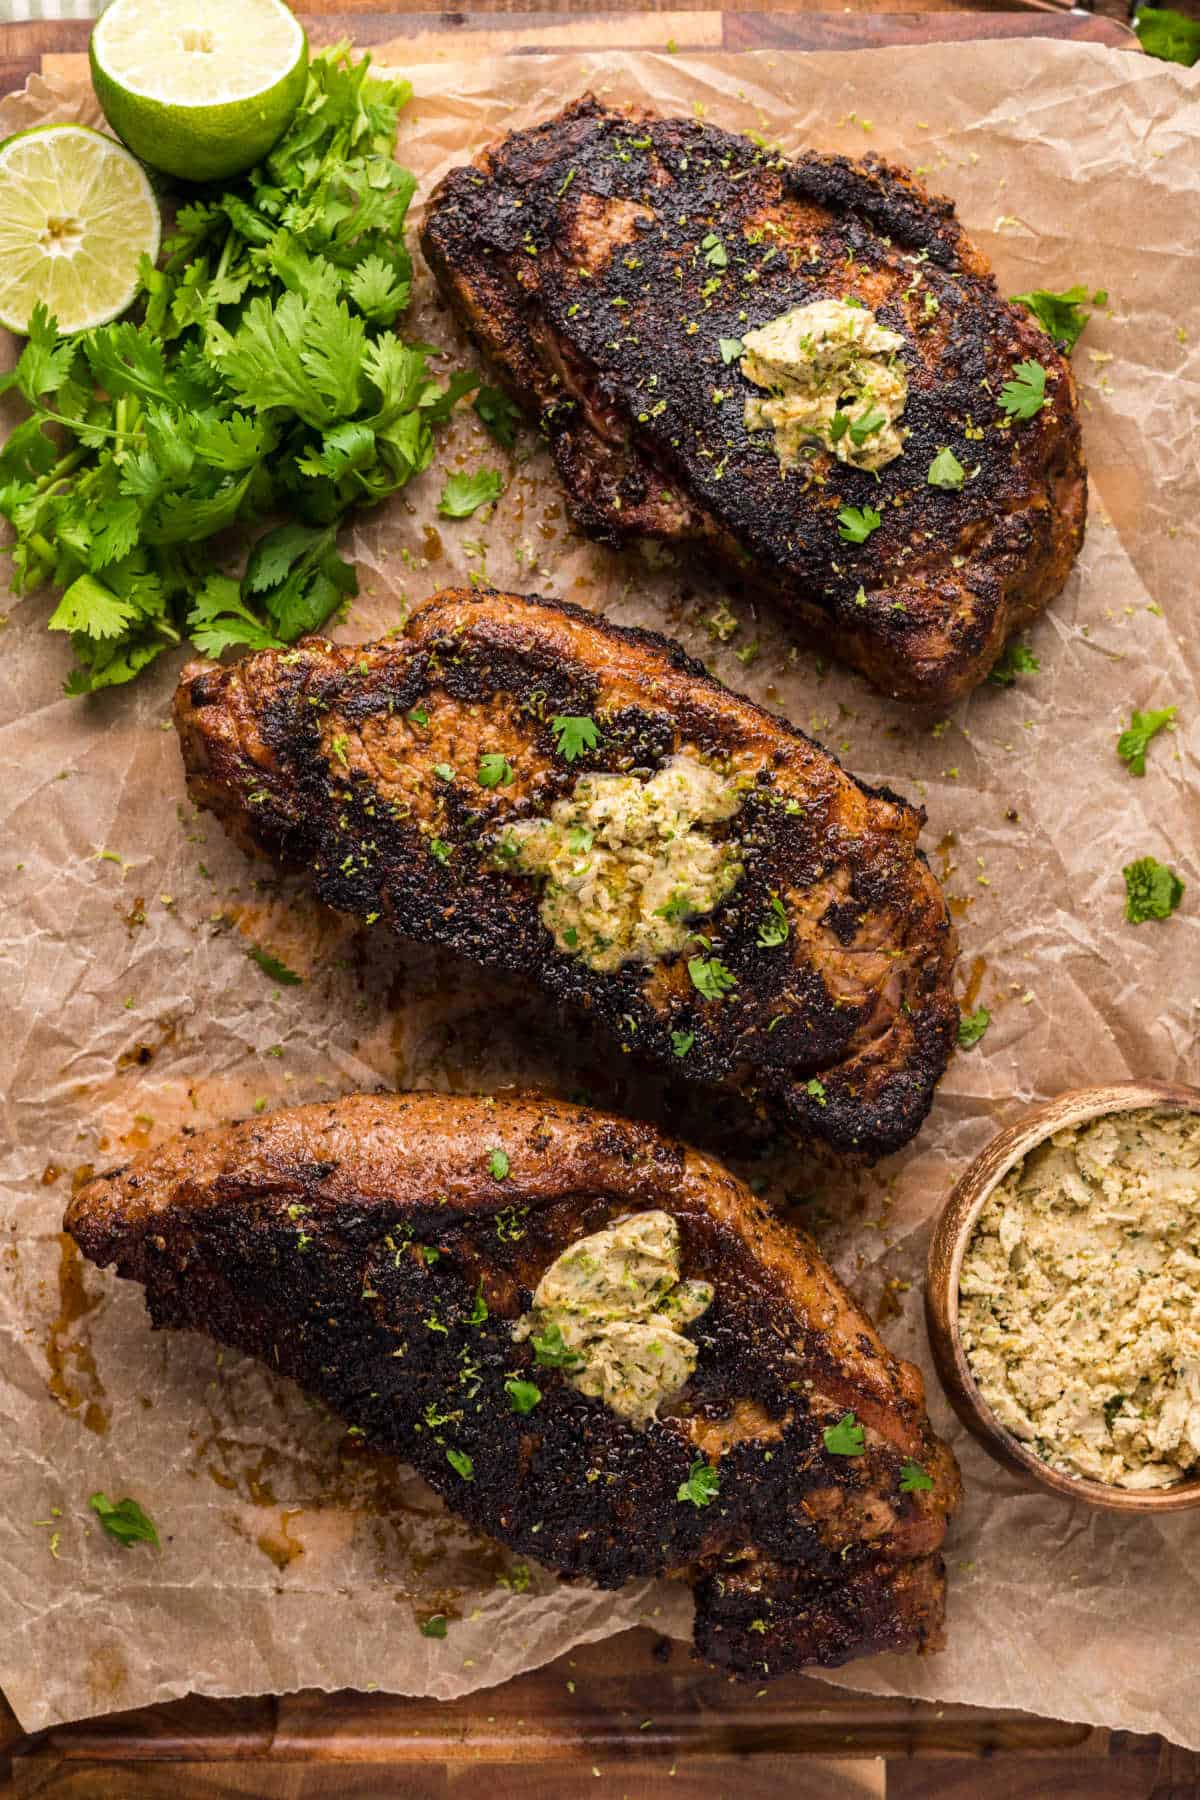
(1063, 1296)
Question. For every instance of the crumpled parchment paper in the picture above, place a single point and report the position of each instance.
(131, 1006)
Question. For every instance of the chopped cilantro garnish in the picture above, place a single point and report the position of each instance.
(914, 1479)
(1059, 315)
(1169, 35)
(715, 253)
(711, 977)
(856, 523)
(500, 416)
(461, 1463)
(681, 1042)
(816, 1091)
(479, 1307)
(498, 1165)
(124, 1520)
(494, 770)
(418, 716)
(271, 965)
(1016, 659)
(702, 1486)
(434, 1626)
(774, 928)
(1152, 891)
(523, 1396)
(971, 1026)
(552, 1350)
(1025, 394)
(730, 348)
(443, 771)
(862, 429)
(440, 850)
(845, 1438)
(574, 734)
(464, 494)
(945, 471)
(1135, 739)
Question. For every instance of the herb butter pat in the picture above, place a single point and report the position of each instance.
(627, 862)
(618, 1302)
(833, 378)
(1080, 1299)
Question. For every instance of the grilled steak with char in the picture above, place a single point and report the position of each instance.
(817, 983)
(609, 265)
(308, 1238)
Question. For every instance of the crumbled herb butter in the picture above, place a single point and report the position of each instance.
(1080, 1299)
(618, 1302)
(833, 378)
(626, 863)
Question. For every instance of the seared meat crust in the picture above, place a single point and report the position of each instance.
(329, 757)
(584, 257)
(300, 1238)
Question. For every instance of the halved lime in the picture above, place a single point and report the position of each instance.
(199, 88)
(76, 213)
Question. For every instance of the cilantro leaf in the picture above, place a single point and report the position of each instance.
(464, 494)
(1152, 891)
(574, 734)
(434, 1626)
(219, 620)
(479, 1307)
(552, 1350)
(1025, 394)
(124, 1520)
(89, 607)
(1135, 739)
(971, 1026)
(461, 1463)
(845, 1438)
(523, 1396)
(702, 1486)
(681, 1043)
(498, 413)
(1016, 659)
(494, 770)
(1169, 35)
(1059, 315)
(711, 977)
(914, 1479)
(272, 966)
(498, 1165)
(945, 471)
(378, 291)
(815, 1089)
(855, 523)
(730, 348)
(862, 429)
(775, 927)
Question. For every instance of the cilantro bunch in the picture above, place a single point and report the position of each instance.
(261, 377)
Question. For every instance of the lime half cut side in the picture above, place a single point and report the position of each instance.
(199, 88)
(76, 214)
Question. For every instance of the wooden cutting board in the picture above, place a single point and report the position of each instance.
(633, 1713)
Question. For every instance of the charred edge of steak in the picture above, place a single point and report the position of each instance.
(278, 1241)
(627, 404)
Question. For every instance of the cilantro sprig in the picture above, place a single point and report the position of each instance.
(259, 373)
(124, 1520)
(1060, 315)
(1152, 891)
(1134, 741)
(845, 1438)
(702, 1486)
(1025, 394)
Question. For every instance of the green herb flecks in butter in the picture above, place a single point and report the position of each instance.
(627, 863)
(833, 378)
(618, 1302)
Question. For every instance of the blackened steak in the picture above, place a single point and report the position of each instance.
(307, 1238)
(607, 264)
(819, 988)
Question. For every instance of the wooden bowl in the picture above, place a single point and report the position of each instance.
(950, 1238)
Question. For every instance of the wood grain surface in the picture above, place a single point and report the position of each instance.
(633, 1715)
